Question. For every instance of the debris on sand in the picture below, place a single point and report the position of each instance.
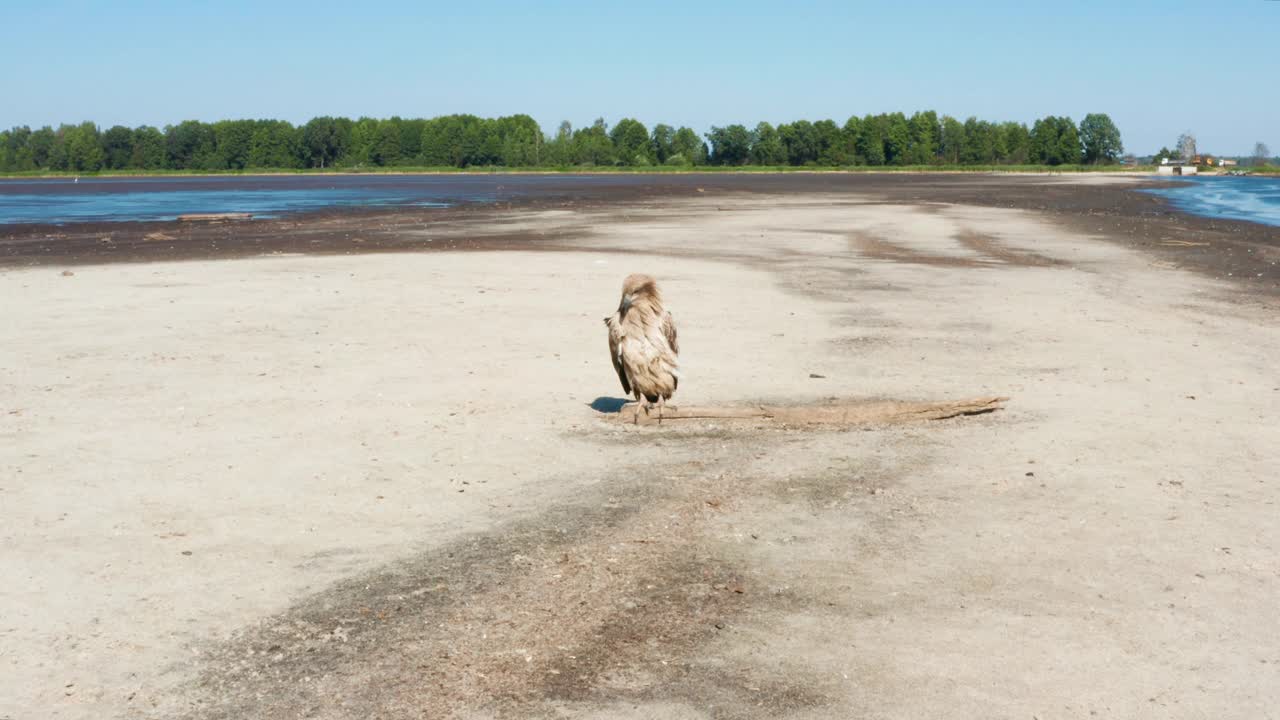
(214, 217)
(840, 413)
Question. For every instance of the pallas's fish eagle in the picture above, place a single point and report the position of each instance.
(642, 344)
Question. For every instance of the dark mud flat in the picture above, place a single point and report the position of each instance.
(1229, 249)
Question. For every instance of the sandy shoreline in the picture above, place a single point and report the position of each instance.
(1101, 205)
(354, 481)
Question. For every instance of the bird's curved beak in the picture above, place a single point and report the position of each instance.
(625, 305)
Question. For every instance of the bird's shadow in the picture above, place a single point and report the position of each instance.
(609, 404)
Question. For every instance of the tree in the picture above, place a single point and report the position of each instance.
(454, 140)
(897, 139)
(1043, 140)
(924, 137)
(231, 143)
(1261, 154)
(1069, 149)
(518, 141)
(8, 149)
(148, 149)
(1101, 139)
(767, 148)
(592, 146)
(275, 144)
(951, 140)
(58, 158)
(17, 150)
(1187, 147)
(117, 147)
(800, 142)
(871, 140)
(386, 146)
(410, 138)
(560, 148)
(660, 142)
(631, 142)
(363, 135)
(83, 147)
(481, 138)
(730, 145)
(1055, 141)
(189, 144)
(687, 149)
(851, 136)
(829, 141)
(323, 141)
(1015, 143)
(979, 142)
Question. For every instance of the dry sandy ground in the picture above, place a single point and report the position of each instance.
(374, 486)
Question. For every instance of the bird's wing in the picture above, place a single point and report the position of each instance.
(615, 338)
(669, 331)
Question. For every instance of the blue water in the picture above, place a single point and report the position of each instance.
(169, 205)
(60, 201)
(64, 200)
(1256, 199)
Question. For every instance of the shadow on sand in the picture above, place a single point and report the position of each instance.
(609, 404)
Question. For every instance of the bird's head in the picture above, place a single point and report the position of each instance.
(635, 287)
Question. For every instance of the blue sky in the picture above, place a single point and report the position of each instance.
(1158, 67)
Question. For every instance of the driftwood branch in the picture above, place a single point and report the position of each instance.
(845, 413)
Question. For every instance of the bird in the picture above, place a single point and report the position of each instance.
(643, 345)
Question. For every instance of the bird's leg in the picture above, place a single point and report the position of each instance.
(661, 401)
(637, 415)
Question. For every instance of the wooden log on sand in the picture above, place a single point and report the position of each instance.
(842, 413)
(214, 217)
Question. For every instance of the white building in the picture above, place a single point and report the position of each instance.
(1169, 166)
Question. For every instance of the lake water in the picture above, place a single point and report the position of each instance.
(64, 200)
(1256, 199)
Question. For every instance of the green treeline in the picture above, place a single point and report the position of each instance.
(462, 141)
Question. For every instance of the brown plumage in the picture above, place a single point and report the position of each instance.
(642, 344)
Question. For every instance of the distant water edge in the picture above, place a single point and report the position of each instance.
(66, 200)
(71, 200)
(1252, 198)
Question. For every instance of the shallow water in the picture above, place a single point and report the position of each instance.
(168, 205)
(66, 200)
(1256, 199)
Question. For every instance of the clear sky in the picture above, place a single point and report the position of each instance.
(1158, 67)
